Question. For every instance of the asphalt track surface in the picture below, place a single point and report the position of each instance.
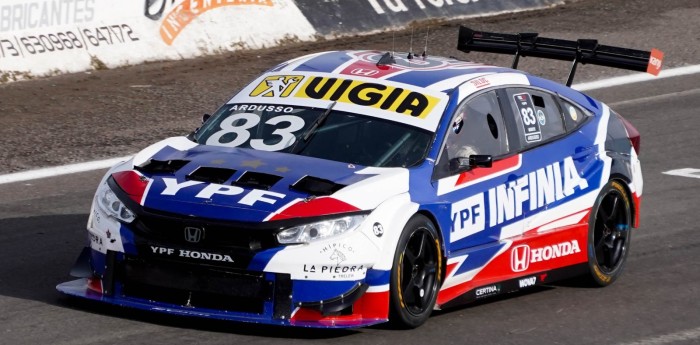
(656, 301)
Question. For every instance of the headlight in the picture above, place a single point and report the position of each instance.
(320, 230)
(110, 204)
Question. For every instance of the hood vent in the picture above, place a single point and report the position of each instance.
(257, 180)
(155, 166)
(316, 186)
(212, 175)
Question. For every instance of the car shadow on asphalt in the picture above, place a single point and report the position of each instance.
(201, 324)
(37, 253)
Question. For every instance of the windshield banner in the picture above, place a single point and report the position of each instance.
(389, 100)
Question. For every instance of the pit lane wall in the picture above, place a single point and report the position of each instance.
(47, 37)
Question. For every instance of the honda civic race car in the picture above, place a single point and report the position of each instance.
(349, 188)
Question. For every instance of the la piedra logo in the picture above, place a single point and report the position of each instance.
(175, 15)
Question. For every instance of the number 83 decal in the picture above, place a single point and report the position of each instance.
(247, 121)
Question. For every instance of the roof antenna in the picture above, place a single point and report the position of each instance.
(410, 49)
(425, 50)
(388, 57)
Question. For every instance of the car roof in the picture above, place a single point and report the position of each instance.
(430, 72)
(414, 92)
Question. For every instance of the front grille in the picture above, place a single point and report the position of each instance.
(215, 235)
(195, 285)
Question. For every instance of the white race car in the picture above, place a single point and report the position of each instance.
(349, 188)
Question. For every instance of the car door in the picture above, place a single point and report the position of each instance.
(477, 128)
(549, 174)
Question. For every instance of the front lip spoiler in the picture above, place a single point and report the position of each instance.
(338, 303)
(79, 288)
(82, 268)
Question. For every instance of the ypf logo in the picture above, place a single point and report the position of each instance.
(520, 258)
(194, 235)
(277, 86)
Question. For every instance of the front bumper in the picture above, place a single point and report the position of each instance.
(211, 292)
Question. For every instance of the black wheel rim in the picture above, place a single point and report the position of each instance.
(418, 272)
(611, 231)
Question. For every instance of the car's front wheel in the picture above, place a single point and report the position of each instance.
(609, 234)
(415, 276)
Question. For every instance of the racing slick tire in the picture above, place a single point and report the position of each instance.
(609, 234)
(416, 273)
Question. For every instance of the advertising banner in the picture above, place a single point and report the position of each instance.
(340, 17)
(47, 37)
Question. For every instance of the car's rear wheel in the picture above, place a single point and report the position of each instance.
(416, 273)
(609, 234)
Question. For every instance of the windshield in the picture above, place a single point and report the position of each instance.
(339, 136)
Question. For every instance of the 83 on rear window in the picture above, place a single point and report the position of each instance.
(531, 126)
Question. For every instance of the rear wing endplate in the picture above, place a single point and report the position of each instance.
(585, 51)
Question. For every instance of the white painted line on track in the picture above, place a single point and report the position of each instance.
(682, 336)
(685, 172)
(636, 78)
(60, 170)
(656, 98)
(103, 164)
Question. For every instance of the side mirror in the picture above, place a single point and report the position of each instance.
(482, 161)
(461, 164)
(205, 117)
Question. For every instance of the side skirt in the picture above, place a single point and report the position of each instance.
(517, 284)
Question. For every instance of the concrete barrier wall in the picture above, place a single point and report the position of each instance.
(48, 37)
(338, 17)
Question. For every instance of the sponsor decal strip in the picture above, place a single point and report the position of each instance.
(172, 187)
(521, 256)
(400, 102)
(190, 254)
(375, 95)
(534, 191)
(520, 260)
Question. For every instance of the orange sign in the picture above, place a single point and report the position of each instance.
(655, 61)
(188, 10)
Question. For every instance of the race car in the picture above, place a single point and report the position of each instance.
(350, 188)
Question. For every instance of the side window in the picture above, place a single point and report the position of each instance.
(573, 115)
(537, 116)
(476, 129)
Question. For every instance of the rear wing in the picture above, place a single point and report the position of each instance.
(585, 51)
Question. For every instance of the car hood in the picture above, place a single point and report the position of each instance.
(253, 186)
